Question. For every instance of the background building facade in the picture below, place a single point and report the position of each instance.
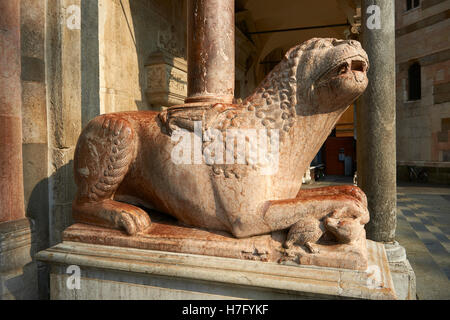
(423, 88)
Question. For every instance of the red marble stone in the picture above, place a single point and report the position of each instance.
(173, 237)
(11, 176)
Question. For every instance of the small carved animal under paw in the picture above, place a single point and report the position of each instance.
(345, 230)
(305, 232)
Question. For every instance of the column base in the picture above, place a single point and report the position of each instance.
(227, 99)
(18, 271)
(402, 273)
(108, 272)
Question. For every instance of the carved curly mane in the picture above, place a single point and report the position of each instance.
(275, 99)
(273, 102)
(273, 105)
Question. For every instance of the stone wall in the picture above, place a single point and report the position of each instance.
(422, 36)
(34, 125)
(129, 31)
(64, 111)
(245, 79)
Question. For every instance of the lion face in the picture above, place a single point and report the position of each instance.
(337, 72)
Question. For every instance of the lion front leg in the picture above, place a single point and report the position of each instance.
(309, 217)
(353, 191)
(306, 215)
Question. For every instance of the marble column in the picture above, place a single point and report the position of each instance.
(11, 176)
(376, 120)
(17, 268)
(211, 62)
(376, 144)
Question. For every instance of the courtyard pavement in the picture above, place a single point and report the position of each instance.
(423, 228)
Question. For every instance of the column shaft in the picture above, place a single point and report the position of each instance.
(211, 62)
(11, 175)
(376, 121)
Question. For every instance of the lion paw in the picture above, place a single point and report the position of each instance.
(112, 214)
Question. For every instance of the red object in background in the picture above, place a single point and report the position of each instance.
(332, 146)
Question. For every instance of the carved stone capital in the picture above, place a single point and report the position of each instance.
(166, 79)
(352, 11)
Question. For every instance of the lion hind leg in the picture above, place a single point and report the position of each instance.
(104, 152)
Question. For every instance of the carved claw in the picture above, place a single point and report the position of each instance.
(351, 210)
(112, 214)
(133, 222)
(311, 247)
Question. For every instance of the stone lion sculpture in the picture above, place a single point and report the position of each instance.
(124, 161)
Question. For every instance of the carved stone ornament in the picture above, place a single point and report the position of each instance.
(166, 79)
(169, 42)
(128, 161)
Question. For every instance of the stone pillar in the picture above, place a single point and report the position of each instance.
(376, 121)
(376, 145)
(11, 176)
(211, 62)
(63, 63)
(17, 268)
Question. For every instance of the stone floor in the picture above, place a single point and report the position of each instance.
(423, 228)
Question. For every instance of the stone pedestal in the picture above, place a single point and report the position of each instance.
(108, 272)
(177, 262)
(167, 235)
(18, 271)
(402, 273)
